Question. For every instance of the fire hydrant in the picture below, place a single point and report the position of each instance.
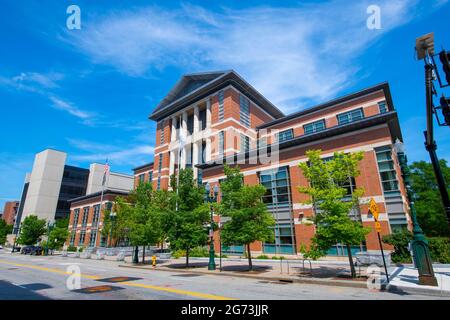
(153, 261)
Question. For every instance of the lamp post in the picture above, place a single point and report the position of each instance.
(421, 252)
(15, 238)
(211, 198)
(49, 228)
(112, 217)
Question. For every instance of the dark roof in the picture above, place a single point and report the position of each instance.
(388, 117)
(143, 166)
(196, 86)
(381, 86)
(96, 194)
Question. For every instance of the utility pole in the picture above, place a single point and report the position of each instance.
(425, 51)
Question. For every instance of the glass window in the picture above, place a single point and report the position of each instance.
(85, 216)
(388, 175)
(76, 214)
(221, 142)
(141, 178)
(161, 130)
(202, 119)
(244, 110)
(220, 98)
(314, 126)
(96, 217)
(82, 238)
(72, 238)
(150, 176)
(350, 116)
(382, 106)
(245, 143)
(285, 135)
(190, 124)
(93, 238)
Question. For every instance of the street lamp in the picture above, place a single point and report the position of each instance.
(49, 228)
(211, 198)
(421, 252)
(112, 216)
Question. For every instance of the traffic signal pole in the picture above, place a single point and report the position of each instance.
(430, 144)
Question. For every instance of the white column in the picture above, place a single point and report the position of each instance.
(184, 123)
(173, 136)
(208, 113)
(195, 158)
(196, 120)
(172, 163)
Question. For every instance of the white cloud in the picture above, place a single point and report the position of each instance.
(69, 107)
(289, 54)
(128, 156)
(44, 80)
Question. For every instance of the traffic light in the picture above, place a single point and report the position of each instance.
(444, 56)
(445, 105)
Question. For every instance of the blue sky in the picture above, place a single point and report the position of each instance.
(89, 92)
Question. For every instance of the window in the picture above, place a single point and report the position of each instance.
(262, 142)
(161, 130)
(350, 116)
(244, 110)
(150, 176)
(159, 183)
(76, 214)
(72, 238)
(202, 119)
(314, 126)
(141, 178)
(387, 172)
(285, 135)
(96, 217)
(221, 142)
(245, 143)
(93, 238)
(277, 187)
(190, 124)
(85, 216)
(220, 97)
(160, 162)
(103, 241)
(382, 106)
(82, 237)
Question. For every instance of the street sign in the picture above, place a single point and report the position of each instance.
(377, 226)
(373, 208)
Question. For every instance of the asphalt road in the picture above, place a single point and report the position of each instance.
(29, 277)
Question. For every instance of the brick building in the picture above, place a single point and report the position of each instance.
(209, 119)
(10, 211)
(86, 218)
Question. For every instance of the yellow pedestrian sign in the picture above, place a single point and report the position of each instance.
(373, 208)
(377, 226)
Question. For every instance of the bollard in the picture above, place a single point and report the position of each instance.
(153, 261)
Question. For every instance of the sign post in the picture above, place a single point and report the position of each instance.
(373, 209)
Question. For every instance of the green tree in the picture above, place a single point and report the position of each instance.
(186, 226)
(329, 197)
(429, 207)
(5, 229)
(58, 234)
(32, 229)
(115, 227)
(250, 220)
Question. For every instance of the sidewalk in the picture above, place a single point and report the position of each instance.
(335, 273)
(405, 280)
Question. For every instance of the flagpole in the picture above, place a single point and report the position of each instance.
(101, 202)
(180, 152)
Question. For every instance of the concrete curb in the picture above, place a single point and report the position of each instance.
(328, 282)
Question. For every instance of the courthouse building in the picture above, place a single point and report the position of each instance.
(213, 118)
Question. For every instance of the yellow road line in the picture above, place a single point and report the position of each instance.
(130, 284)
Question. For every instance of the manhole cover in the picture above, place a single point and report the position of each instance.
(187, 275)
(98, 289)
(118, 279)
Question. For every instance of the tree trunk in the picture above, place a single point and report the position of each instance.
(350, 259)
(143, 254)
(249, 256)
(187, 257)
